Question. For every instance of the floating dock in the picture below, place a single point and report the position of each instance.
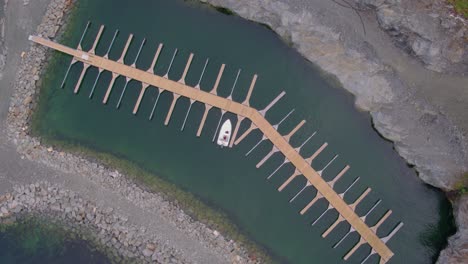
(243, 110)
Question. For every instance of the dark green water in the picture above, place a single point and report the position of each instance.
(224, 178)
(31, 241)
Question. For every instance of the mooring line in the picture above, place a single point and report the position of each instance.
(224, 111)
(351, 229)
(285, 161)
(100, 69)
(128, 79)
(155, 103)
(73, 59)
(170, 64)
(275, 126)
(191, 100)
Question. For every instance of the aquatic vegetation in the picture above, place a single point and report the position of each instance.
(32, 236)
(190, 203)
(435, 235)
(34, 240)
(461, 187)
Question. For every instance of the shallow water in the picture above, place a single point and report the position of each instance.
(224, 178)
(30, 241)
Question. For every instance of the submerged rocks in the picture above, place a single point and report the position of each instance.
(112, 230)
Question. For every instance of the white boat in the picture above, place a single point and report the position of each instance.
(225, 134)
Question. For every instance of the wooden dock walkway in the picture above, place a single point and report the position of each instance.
(243, 110)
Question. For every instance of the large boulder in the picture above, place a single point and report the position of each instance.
(389, 18)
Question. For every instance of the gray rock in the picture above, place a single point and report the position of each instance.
(422, 47)
(4, 210)
(389, 18)
(147, 253)
(55, 207)
(435, 37)
(151, 246)
(28, 100)
(457, 249)
(455, 52)
(370, 3)
(13, 204)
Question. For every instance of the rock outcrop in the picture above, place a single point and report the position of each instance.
(3, 52)
(427, 29)
(457, 249)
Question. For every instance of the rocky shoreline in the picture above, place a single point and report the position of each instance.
(32, 199)
(457, 249)
(110, 230)
(429, 30)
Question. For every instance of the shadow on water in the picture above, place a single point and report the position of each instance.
(435, 236)
(32, 240)
(225, 11)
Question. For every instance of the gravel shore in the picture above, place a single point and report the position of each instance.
(110, 229)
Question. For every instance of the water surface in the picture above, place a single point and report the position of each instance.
(224, 178)
(33, 241)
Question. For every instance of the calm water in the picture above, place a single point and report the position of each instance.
(225, 178)
(30, 241)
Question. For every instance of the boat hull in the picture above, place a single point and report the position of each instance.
(225, 134)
